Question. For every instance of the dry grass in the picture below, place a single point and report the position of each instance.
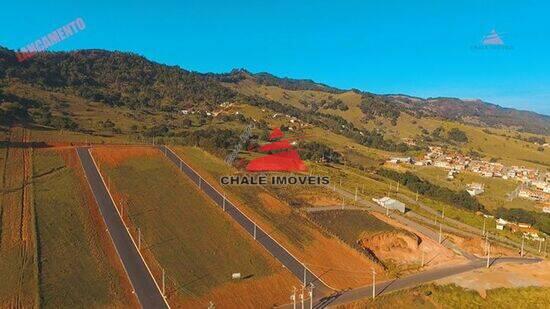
(72, 236)
(337, 264)
(18, 236)
(193, 240)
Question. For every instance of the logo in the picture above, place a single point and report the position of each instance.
(493, 40)
(279, 156)
(51, 39)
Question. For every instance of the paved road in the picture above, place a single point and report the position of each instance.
(417, 279)
(147, 292)
(277, 250)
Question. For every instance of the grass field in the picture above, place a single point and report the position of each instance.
(351, 225)
(451, 296)
(78, 265)
(192, 239)
(18, 256)
(333, 261)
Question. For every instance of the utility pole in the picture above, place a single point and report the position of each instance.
(373, 283)
(163, 284)
(342, 202)
(363, 189)
(483, 233)
(440, 232)
(254, 231)
(139, 239)
(293, 297)
(443, 212)
(305, 274)
(522, 243)
(486, 242)
(422, 264)
(417, 196)
(397, 190)
(311, 286)
(488, 254)
(356, 189)
(302, 297)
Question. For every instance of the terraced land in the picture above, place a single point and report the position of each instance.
(184, 233)
(78, 264)
(334, 262)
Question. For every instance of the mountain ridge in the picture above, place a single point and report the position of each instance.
(130, 79)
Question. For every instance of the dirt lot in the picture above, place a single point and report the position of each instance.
(476, 246)
(434, 254)
(503, 276)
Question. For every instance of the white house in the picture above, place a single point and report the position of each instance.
(390, 203)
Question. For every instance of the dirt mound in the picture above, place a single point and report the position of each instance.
(390, 245)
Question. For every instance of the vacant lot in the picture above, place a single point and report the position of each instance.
(451, 296)
(78, 265)
(193, 240)
(338, 265)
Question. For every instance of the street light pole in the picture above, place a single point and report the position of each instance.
(302, 297)
(373, 283)
(522, 244)
(440, 232)
(488, 254)
(311, 295)
(293, 297)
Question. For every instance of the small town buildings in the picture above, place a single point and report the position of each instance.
(397, 160)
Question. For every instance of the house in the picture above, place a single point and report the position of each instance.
(398, 160)
(502, 221)
(546, 210)
(475, 188)
(390, 203)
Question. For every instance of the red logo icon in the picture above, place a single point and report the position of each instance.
(282, 158)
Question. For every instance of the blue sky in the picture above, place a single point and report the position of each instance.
(429, 48)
